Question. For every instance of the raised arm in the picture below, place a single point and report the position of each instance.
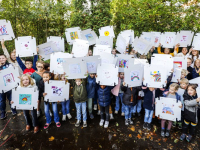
(5, 50)
(21, 64)
(34, 61)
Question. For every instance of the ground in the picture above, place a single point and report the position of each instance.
(117, 136)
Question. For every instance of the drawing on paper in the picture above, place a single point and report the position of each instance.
(156, 39)
(135, 76)
(183, 38)
(3, 30)
(91, 66)
(57, 91)
(177, 64)
(156, 76)
(107, 74)
(104, 43)
(169, 39)
(123, 63)
(89, 37)
(57, 43)
(48, 50)
(75, 68)
(60, 62)
(25, 46)
(25, 99)
(168, 109)
(106, 33)
(74, 35)
(141, 45)
(105, 61)
(8, 79)
(148, 38)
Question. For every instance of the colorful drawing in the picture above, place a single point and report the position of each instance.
(25, 99)
(3, 30)
(156, 40)
(60, 62)
(25, 46)
(48, 50)
(104, 43)
(178, 64)
(74, 35)
(148, 38)
(89, 37)
(75, 68)
(156, 76)
(183, 38)
(135, 76)
(8, 79)
(123, 63)
(107, 74)
(106, 33)
(169, 39)
(57, 91)
(168, 109)
(91, 66)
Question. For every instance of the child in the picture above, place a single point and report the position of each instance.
(189, 68)
(80, 99)
(138, 107)
(183, 53)
(114, 52)
(7, 95)
(117, 91)
(66, 103)
(27, 82)
(193, 56)
(90, 52)
(46, 77)
(190, 112)
(104, 102)
(129, 100)
(91, 87)
(172, 93)
(196, 69)
(184, 73)
(166, 50)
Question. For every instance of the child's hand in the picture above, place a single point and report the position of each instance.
(44, 94)
(190, 50)
(180, 106)
(143, 79)
(166, 92)
(166, 81)
(143, 87)
(124, 83)
(172, 70)
(159, 45)
(177, 45)
(37, 49)
(198, 100)
(11, 102)
(96, 76)
(162, 89)
(155, 103)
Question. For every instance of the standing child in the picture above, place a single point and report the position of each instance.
(118, 92)
(172, 93)
(196, 69)
(27, 82)
(46, 77)
(190, 112)
(138, 107)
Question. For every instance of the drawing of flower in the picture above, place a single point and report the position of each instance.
(106, 33)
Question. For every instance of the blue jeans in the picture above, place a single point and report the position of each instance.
(117, 106)
(137, 107)
(28, 118)
(148, 116)
(79, 107)
(66, 107)
(128, 109)
(3, 97)
(55, 112)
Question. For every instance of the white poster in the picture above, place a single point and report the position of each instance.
(107, 31)
(196, 42)
(6, 31)
(107, 58)
(72, 34)
(142, 46)
(123, 61)
(184, 38)
(80, 48)
(58, 41)
(105, 40)
(149, 36)
(92, 63)
(156, 38)
(25, 46)
(180, 62)
(128, 34)
(89, 35)
(195, 81)
(98, 49)
(176, 75)
(168, 39)
(121, 44)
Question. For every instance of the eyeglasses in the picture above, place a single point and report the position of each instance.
(28, 63)
(40, 67)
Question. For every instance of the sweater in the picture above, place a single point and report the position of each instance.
(37, 78)
(194, 73)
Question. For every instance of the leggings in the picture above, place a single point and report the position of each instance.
(163, 124)
(106, 110)
(186, 126)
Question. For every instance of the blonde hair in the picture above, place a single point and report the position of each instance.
(175, 85)
(40, 62)
(195, 63)
(185, 72)
(184, 80)
(31, 82)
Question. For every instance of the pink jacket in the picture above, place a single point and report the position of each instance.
(115, 90)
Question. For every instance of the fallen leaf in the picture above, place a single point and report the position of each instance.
(117, 124)
(5, 137)
(140, 131)
(23, 145)
(176, 140)
(130, 135)
(100, 146)
(114, 135)
(139, 136)
(51, 138)
(132, 128)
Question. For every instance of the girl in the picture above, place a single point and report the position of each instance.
(167, 50)
(11, 57)
(37, 75)
(27, 82)
(184, 73)
(114, 52)
(172, 93)
(117, 91)
(183, 53)
(193, 56)
(190, 112)
(196, 69)
(90, 52)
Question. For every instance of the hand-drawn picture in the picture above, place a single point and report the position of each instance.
(148, 38)
(74, 35)
(89, 37)
(60, 62)
(48, 50)
(123, 63)
(75, 68)
(91, 66)
(104, 43)
(178, 64)
(106, 33)
(156, 76)
(156, 40)
(3, 30)
(183, 38)
(25, 99)
(9, 78)
(107, 74)
(57, 44)
(57, 91)
(141, 45)
(25, 46)
(168, 109)
(135, 75)
(169, 39)
(105, 61)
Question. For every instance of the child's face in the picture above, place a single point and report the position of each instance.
(102, 86)
(121, 75)
(40, 67)
(28, 64)
(172, 90)
(13, 56)
(78, 82)
(114, 52)
(46, 77)
(197, 64)
(131, 53)
(63, 78)
(90, 53)
(184, 50)
(166, 50)
(191, 91)
(2, 59)
(151, 89)
(194, 52)
(183, 85)
(183, 75)
(25, 81)
(189, 62)
(92, 75)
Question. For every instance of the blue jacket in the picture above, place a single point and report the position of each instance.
(104, 95)
(91, 85)
(178, 98)
(194, 73)
(23, 67)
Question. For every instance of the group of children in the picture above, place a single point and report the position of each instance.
(86, 92)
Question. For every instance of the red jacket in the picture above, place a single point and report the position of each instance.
(29, 71)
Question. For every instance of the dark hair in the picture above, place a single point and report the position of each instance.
(28, 59)
(47, 72)
(193, 86)
(46, 66)
(3, 55)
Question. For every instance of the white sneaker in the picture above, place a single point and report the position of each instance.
(106, 124)
(50, 113)
(101, 122)
(111, 116)
(38, 113)
(99, 112)
(69, 116)
(64, 118)
(122, 114)
(116, 112)
(95, 107)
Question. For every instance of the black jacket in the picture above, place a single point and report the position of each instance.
(127, 95)
(189, 76)
(41, 88)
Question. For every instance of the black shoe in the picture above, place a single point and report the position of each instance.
(139, 114)
(167, 133)
(133, 114)
(14, 112)
(145, 125)
(148, 126)
(3, 115)
(174, 124)
(162, 132)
